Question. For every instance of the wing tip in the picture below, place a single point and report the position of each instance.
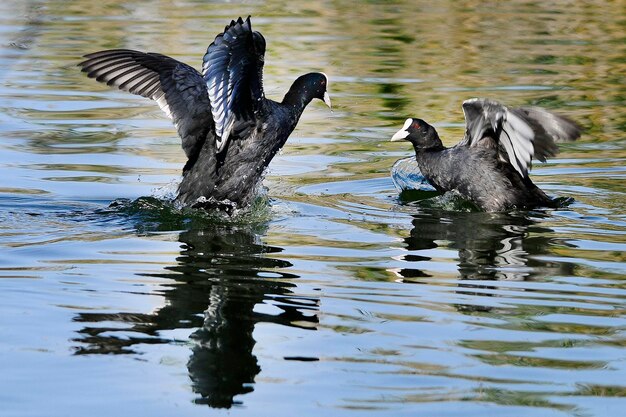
(573, 129)
(247, 25)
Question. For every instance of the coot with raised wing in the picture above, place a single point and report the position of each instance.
(490, 165)
(230, 132)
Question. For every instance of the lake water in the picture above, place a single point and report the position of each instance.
(333, 296)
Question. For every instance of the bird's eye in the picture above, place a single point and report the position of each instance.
(416, 125)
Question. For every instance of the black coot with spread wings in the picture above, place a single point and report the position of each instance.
(230, 132)
(490, 165)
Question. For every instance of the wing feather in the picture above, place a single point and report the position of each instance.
(178, 89)
(232, 69)
(521, 133)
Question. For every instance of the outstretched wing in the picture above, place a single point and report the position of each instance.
(178, 89)
(519, 133)
(233, 72)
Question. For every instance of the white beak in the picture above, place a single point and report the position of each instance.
(402, 133)
(327, 100)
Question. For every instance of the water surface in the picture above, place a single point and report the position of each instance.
(334, 296)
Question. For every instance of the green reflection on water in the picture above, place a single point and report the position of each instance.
(501, 302)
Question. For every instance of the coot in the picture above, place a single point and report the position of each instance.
(490, 165)
(230, 132)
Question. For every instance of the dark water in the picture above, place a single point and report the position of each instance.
(333, 296)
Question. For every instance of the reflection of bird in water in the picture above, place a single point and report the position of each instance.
(491, 246)
(490, 165)
(214, 287)
(230, 132)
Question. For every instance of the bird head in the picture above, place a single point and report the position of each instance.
(320, 83)
(419, 133)
(306, 88)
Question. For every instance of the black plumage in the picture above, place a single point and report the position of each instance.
(490, 165)
(230, 132)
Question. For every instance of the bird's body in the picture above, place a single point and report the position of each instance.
(229, 130)
(500, 187)
(490, 165)
(235, 177)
